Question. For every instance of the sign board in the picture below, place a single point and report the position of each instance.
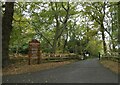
(34, 50)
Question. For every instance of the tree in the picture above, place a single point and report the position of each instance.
(6, 31)
(111, 22)
(96, 10)
(119, 28)
(59, 30)
(52, 20)
(60, 26)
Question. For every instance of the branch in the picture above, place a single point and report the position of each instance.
(96, 19)
(97, 8)
(62, 31)
(74, 23)
(64, 7)
(55, 15)
(65, 21)
(108, 32)
(104, 9)
(43, 37)
(114, 4)
(52, 6)
(37, 31)
(61, 20)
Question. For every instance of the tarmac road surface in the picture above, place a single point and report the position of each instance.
(86, 71)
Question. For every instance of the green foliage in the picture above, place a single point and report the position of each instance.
(78, 29)
(94, 47)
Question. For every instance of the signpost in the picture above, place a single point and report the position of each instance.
(34, 50)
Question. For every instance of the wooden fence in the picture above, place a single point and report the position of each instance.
(60, 57)
(114, 56)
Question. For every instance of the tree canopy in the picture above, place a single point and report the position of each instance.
(65, 27)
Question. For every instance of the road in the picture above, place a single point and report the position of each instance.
(86, 71)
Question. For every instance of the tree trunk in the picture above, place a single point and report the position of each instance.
(113, 45)
(119, 29)
(112, 40)
(6, 31)
(103, 38)
(54, 44)
(59, 30)
(56, 35)
(65, 43)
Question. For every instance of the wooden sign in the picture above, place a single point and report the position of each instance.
(34, 50)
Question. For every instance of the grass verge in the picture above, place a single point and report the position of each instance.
(112, 65)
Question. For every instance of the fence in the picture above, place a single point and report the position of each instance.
(114, 56)
(61, 57)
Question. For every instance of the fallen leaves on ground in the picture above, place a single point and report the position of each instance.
(113, 66)
(18, 69)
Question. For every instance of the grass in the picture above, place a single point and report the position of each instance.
(112, 65)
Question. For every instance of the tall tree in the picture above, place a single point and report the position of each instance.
(119, 28)
(59, 30)
(96, 10)
(6, 31)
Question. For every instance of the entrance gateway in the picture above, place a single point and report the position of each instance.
(34, 51)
